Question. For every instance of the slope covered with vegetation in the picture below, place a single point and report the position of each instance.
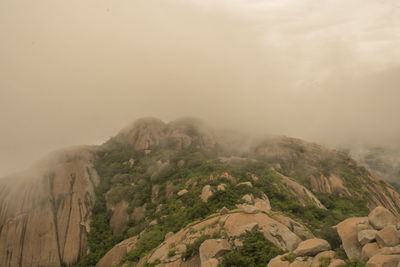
(143, 169)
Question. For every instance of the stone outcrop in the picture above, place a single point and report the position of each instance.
(45, 211)
(182, 192)
(206, 193)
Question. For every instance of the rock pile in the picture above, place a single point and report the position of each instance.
(374, 239)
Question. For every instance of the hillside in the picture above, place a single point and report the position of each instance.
(155, 182)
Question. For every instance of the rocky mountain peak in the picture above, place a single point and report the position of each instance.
(146, 133)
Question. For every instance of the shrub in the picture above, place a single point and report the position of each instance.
(256, 251)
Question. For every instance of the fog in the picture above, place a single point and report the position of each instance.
(76, 72)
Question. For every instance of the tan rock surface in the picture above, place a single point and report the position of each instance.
(213, 248)
(387, 237)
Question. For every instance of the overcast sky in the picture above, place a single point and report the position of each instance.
(75, 72)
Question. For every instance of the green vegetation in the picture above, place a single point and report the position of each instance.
(193, 249)
(324, 262)
(290, 257)
(256, 251)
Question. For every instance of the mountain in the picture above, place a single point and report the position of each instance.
(126, 201)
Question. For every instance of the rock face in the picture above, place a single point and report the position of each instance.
(45, 212)
(312, 247)
(380, 217)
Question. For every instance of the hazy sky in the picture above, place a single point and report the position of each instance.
(75, 72)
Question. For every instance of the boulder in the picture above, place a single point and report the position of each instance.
(347, 231)
(312, 247)
(263, 204)
(248, 198)
(387, 237)
(330, 254)
(249, 209)
(384, 261)
(277, 262)
(206, 193)
(213, 248)
(221, 187)
(301, 262)
(381, 217)
(182, 192)
(245, 183)
(369, 250)
(337, 263)
(366, 236)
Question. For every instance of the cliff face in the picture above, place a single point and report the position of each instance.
(45, 211)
